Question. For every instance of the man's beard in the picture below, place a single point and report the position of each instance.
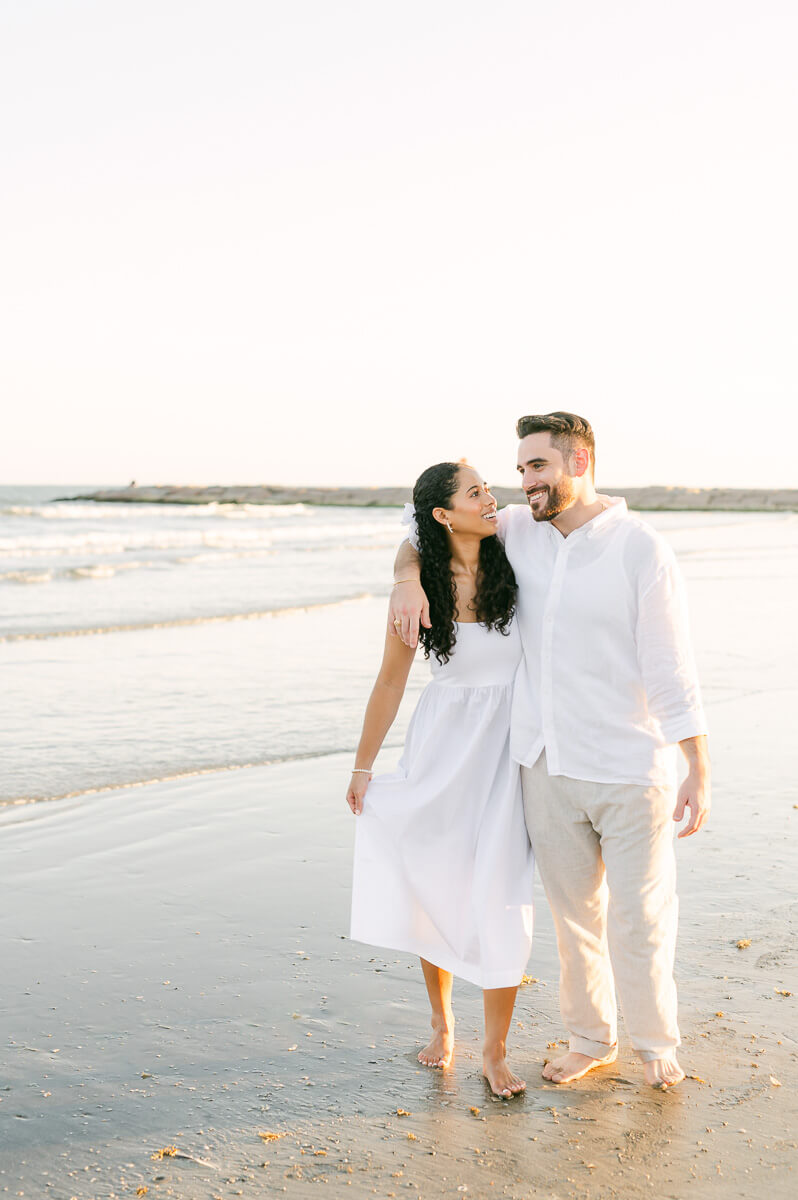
(558, 498)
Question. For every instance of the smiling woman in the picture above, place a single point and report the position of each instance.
(470, 575)
(443, 865)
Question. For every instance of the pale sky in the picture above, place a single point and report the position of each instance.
(329, 242)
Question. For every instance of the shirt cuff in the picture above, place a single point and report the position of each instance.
(686, 725)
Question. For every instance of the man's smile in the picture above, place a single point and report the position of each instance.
(537, 494)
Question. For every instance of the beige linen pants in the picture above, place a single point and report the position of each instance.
(605, 856)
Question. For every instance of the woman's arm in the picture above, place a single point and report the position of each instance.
(381, 710)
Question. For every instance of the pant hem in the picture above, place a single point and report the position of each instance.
(650, 1055)
(580, 1045)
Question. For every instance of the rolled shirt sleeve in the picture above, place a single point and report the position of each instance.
(664, 651)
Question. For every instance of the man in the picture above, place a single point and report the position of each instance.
(606, 688)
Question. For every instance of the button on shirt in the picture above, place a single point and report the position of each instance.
(608, 683)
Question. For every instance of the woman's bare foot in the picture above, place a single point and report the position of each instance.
(439, 1050)
(574, 1065)
(503, 1082)
(663, 1073)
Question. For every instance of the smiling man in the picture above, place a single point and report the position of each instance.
(606, 689)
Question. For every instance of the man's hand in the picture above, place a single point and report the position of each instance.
(408, 606)
(695, 790)
(693, 794)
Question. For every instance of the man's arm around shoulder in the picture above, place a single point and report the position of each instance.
(409, 603)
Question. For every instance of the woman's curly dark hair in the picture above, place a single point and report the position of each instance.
(494, 602)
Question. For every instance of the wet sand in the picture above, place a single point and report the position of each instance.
(177, 978)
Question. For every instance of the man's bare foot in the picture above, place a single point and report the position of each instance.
(503, 1082)
(439, 1050)
(663, 1073)
(574, 1065)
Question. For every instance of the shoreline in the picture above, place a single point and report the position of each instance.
(643, 499)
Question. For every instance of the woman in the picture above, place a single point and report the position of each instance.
(443, 865)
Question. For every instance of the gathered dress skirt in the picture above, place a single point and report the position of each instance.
(443, 867)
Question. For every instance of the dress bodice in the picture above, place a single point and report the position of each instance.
(481, 657)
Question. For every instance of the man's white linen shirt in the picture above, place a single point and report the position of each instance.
(607, 684)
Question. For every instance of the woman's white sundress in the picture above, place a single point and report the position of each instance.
(443, 865)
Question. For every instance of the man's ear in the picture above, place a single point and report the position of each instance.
(580, 461)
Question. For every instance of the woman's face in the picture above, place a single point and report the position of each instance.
(472, 509)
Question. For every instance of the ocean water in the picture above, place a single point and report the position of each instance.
(139, 642)
(156, 564)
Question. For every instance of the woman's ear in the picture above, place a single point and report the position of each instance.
(441, 516)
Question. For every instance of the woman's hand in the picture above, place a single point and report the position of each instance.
(408, 606)
(358, 785)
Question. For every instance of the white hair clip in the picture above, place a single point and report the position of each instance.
(409, 519)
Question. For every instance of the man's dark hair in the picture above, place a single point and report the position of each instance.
(567, 432)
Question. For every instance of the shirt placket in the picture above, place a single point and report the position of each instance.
(546, 658)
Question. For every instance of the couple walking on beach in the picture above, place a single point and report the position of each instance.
(562, 680)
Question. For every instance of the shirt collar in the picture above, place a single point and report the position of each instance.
(615, 510)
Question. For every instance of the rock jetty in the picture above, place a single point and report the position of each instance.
(650, 499)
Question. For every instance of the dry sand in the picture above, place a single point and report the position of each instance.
(177, 979)
(650, 499)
